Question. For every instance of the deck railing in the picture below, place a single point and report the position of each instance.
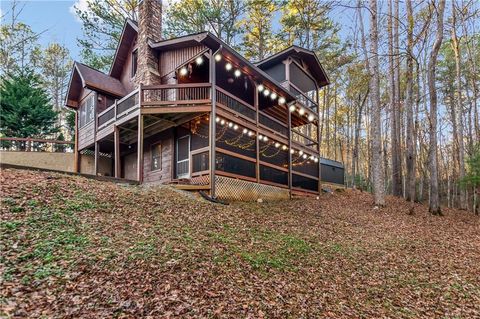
(175, 94)
(236, 104)
(304, 99)
(35, 145)
(119, 109)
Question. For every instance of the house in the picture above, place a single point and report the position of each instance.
(192, 110)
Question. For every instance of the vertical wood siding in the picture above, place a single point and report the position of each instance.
(170, 60)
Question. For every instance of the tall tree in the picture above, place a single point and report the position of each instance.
(259, 40)
(377, 159)
(219, 17)
(102, 22)
(25, 108)
(410, 181)
(55, 65)
(434, 204)
(459, 105)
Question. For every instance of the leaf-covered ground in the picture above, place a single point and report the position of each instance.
(73, 247)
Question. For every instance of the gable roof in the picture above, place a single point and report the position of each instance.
(308, 56)
(84, 76)
(129, 32)
(214, 43)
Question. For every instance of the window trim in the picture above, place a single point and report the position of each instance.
(134, 64)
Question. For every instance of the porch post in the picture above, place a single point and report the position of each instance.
(213, 115)
(140, 149)
(319, 139)
(97, 146)
(289, 150)
(76, 164)
(257, 140)
(116, 141)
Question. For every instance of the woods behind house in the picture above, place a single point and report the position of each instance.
(402, 110)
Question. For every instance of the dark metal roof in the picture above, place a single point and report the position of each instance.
(326, 161)
(310, 58)
(129, 32)
(87, 77)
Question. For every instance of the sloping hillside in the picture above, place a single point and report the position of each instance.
(73, 247)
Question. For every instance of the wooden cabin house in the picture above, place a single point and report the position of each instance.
(194, 112)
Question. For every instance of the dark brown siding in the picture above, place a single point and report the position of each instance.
(164, 174)
(170, 60)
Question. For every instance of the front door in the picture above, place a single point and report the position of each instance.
(183, 157)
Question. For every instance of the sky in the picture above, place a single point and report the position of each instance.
(57, 22)
(54, 19)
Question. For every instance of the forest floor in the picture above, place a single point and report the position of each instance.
(73, 247)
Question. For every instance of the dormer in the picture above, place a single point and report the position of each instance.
(298, 70)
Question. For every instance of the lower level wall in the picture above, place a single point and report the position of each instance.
(64, 162)
(55, 161)
(227, 188)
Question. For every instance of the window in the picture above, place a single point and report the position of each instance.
(134, 62)
(156, 152)
(87, 110)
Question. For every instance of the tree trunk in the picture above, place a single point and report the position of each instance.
(377, 164)
(433, 157)
(410, 183)
(459, 106)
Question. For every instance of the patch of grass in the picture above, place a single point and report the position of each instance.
(10, 226)
(262, 260)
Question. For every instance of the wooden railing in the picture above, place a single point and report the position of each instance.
(175, 94)
(303, 98)
(272, 123)
(35, 145)
(236, 104)
(119, 109)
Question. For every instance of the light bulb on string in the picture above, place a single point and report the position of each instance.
(237, 73)
(217, 119)
(311, 117)
(305, 156)
(222, 122)
(218, 57)
(291, 108)
(281, 100)
(228, 66)
(301, 111)
(235, 127)
(265, 138)
(245, 131)
(230, 124)
(277, 145)
(284, 147)
(183, 71)
(301, 152)
(273, 96)
(199, 60)
(260, 88)
(266, 92)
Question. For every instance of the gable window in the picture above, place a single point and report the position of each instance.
(134, 62)
(87, 110)
(156, 152)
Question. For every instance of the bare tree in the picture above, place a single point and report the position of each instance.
(410, 187)
(433, 151)
(377, 163)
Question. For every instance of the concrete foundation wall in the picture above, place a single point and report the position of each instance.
(64, 162)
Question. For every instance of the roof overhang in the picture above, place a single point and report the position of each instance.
(308, 56)
(214, 43)
(129, 32)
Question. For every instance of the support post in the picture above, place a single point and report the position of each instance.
(257, 140)
(76, 164)
(213, 115)
(116, 141)
(319, 140)
(140, 149)
(97, 151)
(289, 150)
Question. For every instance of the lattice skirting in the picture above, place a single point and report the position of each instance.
(236, 189)
(200, 180)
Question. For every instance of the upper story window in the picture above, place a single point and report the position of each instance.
(87, 110)
(134, 62)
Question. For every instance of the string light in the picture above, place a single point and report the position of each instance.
(300, 153)
(237, 73)
(245, 131)
(222, 122)
(301, 111)
(228, 66)
(281, 100)
(311, 118)
(266, 92)
(277, 145)
(199, 60)
(316, 160)
(305, 156)
(230, 124)
(265, 138)
(292, 108)
(292, 151)
(250, 133)
(235, 127)
(217, 119)
(284, 147)
(273, 96)
(260, 136)
(218, 57)
(183, 71)
(260, 88)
